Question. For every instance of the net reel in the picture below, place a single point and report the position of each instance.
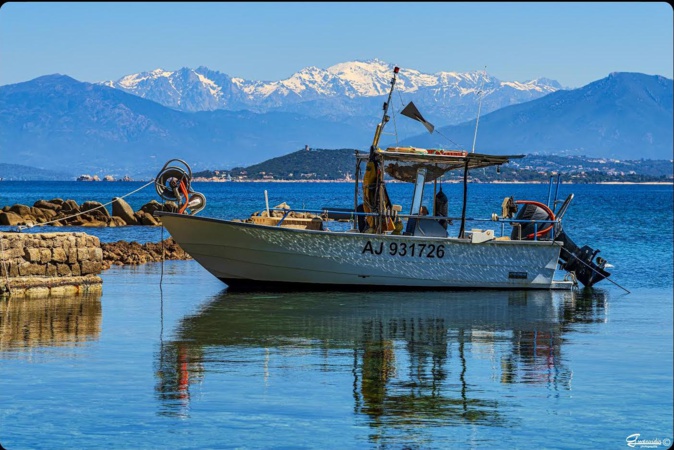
(174, 183)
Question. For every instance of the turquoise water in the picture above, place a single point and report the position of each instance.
(166, 357)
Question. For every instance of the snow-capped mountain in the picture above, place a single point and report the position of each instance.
(56, 122)
(350, 88)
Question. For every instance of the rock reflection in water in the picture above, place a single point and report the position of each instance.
(413, 354)
(53, 321)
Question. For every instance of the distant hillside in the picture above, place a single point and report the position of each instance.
(622, 116)
(17, 172)
(316, 164)
(85, 128)
(339, 164)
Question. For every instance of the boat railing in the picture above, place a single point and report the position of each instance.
(350, 216)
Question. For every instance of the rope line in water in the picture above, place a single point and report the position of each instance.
(161, 289)
(161, 277)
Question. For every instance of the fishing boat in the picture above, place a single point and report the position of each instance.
(524, 246)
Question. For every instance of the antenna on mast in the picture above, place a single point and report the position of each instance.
(479, 106)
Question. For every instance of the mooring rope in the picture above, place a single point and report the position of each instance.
(161, 277)
(22, 227)
(161, 289)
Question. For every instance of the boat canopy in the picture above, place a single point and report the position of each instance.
(402, 163)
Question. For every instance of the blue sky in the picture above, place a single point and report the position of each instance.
(574, 43)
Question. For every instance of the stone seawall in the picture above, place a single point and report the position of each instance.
(49, 264)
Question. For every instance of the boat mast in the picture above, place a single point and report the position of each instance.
(379, 198)
(385, 118)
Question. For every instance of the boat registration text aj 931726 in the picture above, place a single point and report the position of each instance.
(403, 249)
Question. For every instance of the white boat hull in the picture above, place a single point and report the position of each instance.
(243, 254)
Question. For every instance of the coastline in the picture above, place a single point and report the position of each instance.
(665, 183)
(654, 183)
(631, 182)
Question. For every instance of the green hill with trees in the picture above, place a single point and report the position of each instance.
(330, 165)
(318, 164)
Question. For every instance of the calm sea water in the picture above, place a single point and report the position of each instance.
(166, 357)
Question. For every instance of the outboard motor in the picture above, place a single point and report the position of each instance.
(581, 261)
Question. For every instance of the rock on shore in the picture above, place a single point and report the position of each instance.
(132, 253)
(58, 212)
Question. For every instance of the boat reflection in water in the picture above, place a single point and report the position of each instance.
(415, 358)
(50, 322)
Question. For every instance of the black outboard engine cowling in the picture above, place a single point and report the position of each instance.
(533, 213)
(580, 261)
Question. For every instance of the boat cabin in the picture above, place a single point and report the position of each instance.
(418, 166)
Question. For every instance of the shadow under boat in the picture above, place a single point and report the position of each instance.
(437, 335)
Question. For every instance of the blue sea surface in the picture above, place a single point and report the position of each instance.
(167, 357)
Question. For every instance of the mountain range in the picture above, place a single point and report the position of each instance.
(623, 116)
(347, 89)
(56, 122)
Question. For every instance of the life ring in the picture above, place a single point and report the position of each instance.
(551, 215)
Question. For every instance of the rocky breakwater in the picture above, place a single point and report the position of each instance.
(57, 264)
(49, 264)
(122, 253)
(58, 212)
